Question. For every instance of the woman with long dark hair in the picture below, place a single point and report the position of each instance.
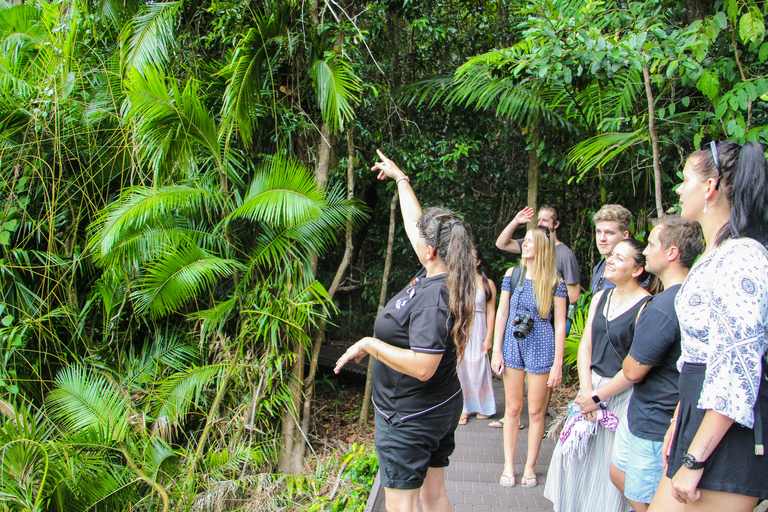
(419, 337)
(475, 369)
(527, 345)
(580, 482)
(714, 446)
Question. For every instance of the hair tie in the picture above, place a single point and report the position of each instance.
(457, 223)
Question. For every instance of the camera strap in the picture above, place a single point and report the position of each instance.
(518, 276)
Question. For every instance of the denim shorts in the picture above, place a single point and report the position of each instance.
(641, 460)
(407, 449)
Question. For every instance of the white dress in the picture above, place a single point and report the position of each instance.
(475, 368)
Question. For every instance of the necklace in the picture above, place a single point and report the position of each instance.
(613, 307)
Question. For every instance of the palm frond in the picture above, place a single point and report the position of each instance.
(151, 33)
(178, 277)
(178, 393)
(283, 193)
(597, 151)
(139, 207)
(83, 398)
(244, 71)
(175, 131)
(337, 88)
(167, 350)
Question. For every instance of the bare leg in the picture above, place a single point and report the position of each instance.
(434, 496)
(710, 500)
(618, 477)
(538, 400)
(514, 384)
(401, 500)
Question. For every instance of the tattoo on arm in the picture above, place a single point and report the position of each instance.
(705, 451)
(635, 361)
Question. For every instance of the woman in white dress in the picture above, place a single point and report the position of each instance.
(475, 368)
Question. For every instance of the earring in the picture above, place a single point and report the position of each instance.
(706, 202)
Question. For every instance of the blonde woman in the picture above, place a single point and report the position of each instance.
(526, 344)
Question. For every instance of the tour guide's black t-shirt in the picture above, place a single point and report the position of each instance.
(657, 343)
(416, 319)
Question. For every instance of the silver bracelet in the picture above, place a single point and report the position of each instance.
(405, 177)
(672, 420)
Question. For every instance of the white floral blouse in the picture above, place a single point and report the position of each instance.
(723, 312)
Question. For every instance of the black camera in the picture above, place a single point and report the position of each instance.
(523, 326)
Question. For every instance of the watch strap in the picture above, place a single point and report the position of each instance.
(690, 462)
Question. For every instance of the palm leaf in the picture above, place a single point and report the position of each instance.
(151, 33)
(337, 87)
(245, 68)
(283, 193)
(166, 350)
(598, 151)
(172, 124)
(178, 277)
(178, 393)
(139, 207)
(82, 399)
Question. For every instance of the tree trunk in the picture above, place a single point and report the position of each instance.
(309, 383)
(293, 442)
(654, 142)
(289, 434)
(533, 164)
(382, 302)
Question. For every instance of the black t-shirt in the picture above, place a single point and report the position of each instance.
(657, 343)
(417, 318)
(611, 346)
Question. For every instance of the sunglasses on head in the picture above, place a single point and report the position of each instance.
(716, 158)
(545, 229)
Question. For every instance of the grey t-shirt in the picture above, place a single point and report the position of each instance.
(566, 263)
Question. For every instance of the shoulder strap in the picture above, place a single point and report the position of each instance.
(641, 309)
(517, 275)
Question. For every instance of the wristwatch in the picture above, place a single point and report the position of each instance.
(690, 462)
(596, 398)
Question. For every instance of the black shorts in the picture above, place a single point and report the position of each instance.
(406, 449)
(733, 466)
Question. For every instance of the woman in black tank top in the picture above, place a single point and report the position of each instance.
(581, 484)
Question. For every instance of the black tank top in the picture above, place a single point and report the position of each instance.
(611, 340)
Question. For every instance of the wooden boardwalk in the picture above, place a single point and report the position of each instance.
(472, 479)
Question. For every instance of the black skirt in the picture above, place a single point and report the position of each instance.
(733, 466)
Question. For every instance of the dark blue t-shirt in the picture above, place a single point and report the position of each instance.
(656, 343)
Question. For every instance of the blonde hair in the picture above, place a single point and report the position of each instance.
(543, 269)
(614, 212)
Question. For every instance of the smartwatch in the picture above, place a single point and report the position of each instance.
(690, 462)
(596, 398)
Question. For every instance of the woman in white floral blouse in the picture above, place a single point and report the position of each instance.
(714, 443)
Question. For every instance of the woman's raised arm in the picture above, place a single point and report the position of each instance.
(409, 205)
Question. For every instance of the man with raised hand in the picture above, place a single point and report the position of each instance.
(636, 465)
(565, 260)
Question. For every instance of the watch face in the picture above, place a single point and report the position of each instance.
(691, 463)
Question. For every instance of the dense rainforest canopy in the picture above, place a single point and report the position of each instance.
(187, 204)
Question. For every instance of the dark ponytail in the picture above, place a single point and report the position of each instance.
(741, 174)
(456, 249)
(749, 202)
